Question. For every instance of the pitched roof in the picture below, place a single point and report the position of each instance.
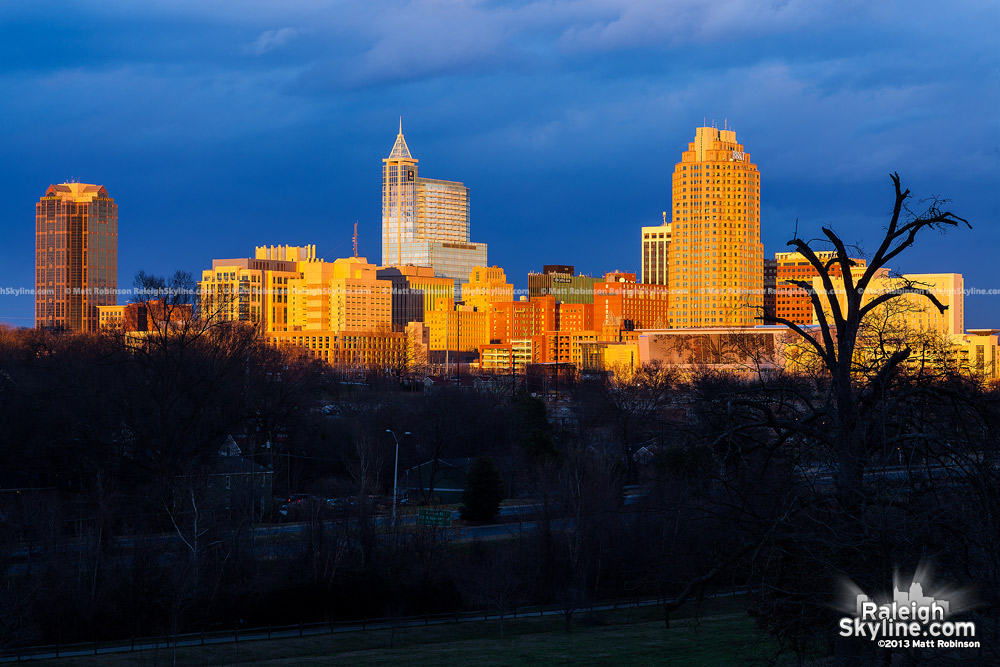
(400, 151)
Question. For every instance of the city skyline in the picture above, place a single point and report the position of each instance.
(265, 128)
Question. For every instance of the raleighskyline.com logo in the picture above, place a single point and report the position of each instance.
(910, 619)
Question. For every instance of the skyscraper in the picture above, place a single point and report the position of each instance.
(425, 222)
(655, 251)
(76, 256)
(716, 257)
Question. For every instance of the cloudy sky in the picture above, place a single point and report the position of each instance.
(219, 125)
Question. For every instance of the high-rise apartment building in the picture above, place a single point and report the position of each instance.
(425, 222)
(716, 262)
(254, 289)
(76, 256)
(655, 253)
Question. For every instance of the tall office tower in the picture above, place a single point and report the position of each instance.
(76, 256)
(716, 266)
(655, 251)
(425, 222)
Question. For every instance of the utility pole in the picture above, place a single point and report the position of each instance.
(395, 474)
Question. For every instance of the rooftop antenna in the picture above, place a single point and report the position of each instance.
(400, 124)
(355, 238)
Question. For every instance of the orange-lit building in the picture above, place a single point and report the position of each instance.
(792, 302)
(76, 256)
(461, 328)
(143, 317)
(486, 285)
(383, 350)
(716, 261)
(574, 316)
(512, 320)
(254, 289)
(622, 304)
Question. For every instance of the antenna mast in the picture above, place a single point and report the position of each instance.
(355, 238)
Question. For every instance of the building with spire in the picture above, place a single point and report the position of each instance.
(716, 259)
(76, 256)
(655, 253)
(425, 221)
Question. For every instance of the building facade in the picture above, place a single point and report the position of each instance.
(254, 289)
(76, 256)
(716, 260)
(485, 286)
(144, 317)
(559, 281)
(408, 281)
(655, 253)
(792, 302)
(622, 304)
(425, 222)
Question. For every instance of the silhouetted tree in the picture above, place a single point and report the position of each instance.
(483, 491)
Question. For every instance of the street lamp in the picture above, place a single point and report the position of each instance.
(395, 474)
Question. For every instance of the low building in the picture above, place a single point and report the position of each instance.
(144, 318)
(370, 350)
(737, 349)
(437, 481)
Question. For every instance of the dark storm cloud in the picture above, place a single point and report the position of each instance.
(257, 122)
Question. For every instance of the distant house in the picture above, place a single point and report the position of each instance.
(448, 476)
(231, 482)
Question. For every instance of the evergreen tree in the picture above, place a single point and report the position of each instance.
(483, 491)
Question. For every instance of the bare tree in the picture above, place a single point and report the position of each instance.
(840, 324)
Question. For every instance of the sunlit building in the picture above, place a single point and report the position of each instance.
(370, 350)
(254, 289)
(907, 314)
(510, 320)
(76, 256)
(655, 253)
(460, 328)
(144, 317)
(485, 286)
(791, 302)
(622, 304)
(425, 222)
(343, 295)
(716, 258)
(558, 280)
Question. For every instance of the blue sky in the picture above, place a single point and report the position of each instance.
(218, 126)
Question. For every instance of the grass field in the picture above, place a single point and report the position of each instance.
(722, 636)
